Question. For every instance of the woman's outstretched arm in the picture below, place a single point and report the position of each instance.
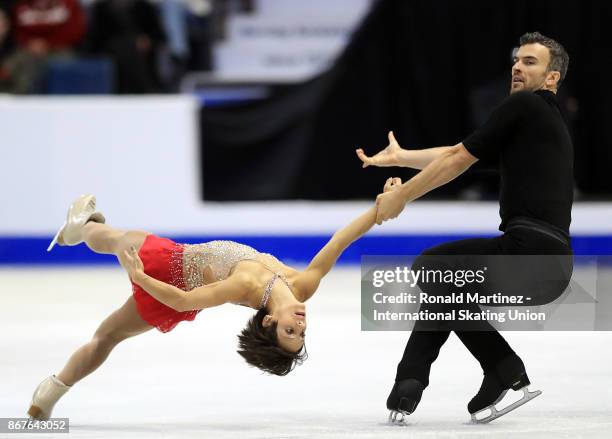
(308, 281)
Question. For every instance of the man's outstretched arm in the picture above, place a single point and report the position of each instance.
(395, 155)
(451, 163)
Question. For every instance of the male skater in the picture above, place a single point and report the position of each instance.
(527, 138)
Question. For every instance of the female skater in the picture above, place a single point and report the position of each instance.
(172, 282)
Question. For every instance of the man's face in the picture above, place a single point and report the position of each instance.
(529, 72)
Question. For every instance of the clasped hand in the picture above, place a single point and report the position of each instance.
(391, 202)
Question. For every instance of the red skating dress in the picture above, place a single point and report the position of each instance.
(182, 265)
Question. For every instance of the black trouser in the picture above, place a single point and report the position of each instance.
(486, 345)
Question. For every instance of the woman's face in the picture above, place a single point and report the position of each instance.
(291, 329)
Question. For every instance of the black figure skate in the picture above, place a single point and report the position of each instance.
(404, 399)
(508, 374)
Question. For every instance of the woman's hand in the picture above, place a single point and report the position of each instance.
(133, 264)
(387, 157)
(389, 205)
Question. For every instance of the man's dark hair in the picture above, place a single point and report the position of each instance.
(259, 346)
(559, 59)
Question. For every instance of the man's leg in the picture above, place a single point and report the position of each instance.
(424, 344)
(427, 338)
(488, 347)
(421, 351)
(423, 348)
(502, 368)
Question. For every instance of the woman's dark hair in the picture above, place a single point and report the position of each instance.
(259, 346)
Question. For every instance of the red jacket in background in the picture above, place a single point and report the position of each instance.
(61, 23)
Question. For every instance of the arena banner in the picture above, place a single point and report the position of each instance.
(287, 40)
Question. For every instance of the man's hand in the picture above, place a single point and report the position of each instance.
(389, 204)
(392, 184)
(387, 157)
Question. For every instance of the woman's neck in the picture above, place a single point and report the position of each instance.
(281, 297)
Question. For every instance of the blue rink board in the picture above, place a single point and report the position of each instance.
(296, 249)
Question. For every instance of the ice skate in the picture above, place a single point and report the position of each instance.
(509, 374)
(80, 212)
(404, 399)
(45, 396)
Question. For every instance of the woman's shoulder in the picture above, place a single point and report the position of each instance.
(303, 284)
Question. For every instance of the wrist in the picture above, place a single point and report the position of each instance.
(139, 276)
(403, 192)
(402, 156)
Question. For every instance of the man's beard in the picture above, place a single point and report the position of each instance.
(540, 86)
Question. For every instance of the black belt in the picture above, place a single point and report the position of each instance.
(538, 226)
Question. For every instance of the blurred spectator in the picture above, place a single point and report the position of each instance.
(42, 30)
(5, 40)
(174, 18)
(130, 32)
(5, 49)
(174, 62)
(222, 9)
(199, 30)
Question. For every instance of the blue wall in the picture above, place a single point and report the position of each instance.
(296, 249)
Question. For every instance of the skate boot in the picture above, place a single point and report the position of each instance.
(80, 212)
(508, 374)
(404, 399)
(45, 396)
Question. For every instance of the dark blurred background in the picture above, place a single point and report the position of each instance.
(429, 71)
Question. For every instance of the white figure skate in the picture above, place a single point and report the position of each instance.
(45, 396)
(80, 212)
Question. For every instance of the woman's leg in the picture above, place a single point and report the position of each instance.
(120, 325)
(102, 238)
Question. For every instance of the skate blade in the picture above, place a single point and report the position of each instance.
(398, 418)
(56, 237)
(406, 407)
(527, 396)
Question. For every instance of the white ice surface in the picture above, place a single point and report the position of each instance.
(190, 383)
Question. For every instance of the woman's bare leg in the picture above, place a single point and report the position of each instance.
(102, 238)
(120, 325)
